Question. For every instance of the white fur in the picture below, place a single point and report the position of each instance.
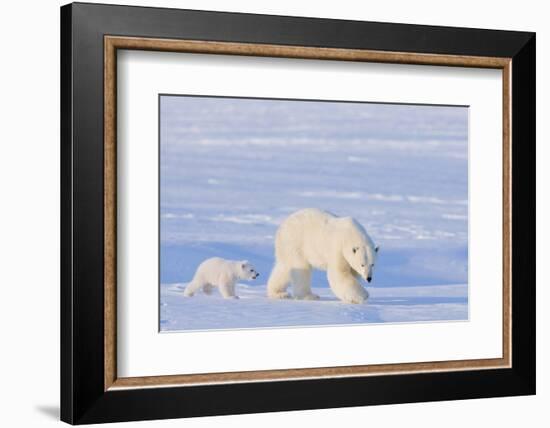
(221, 273)
(312, 238)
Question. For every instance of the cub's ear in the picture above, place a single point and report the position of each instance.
(244, 263)
(376, 248)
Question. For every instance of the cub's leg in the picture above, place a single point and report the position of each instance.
(278, 282)
(192, 288)
(346, 287)
(207, 288)
(227, 290)
(300, 278)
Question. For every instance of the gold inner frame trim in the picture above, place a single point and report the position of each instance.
(113, 43)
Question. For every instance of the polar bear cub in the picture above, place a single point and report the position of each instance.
(221, 273)
(312, 238)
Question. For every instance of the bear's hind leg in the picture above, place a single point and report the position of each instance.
(278, 282)
(301, 283)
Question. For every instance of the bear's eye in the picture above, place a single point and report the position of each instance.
(355, 250)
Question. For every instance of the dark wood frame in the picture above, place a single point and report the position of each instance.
(90, 36)
(114, 43)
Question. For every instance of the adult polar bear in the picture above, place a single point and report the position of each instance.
(312, 238)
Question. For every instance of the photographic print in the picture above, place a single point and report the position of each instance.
(301, 213)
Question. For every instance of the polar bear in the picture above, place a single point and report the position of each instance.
(221, 273)
(312, 238)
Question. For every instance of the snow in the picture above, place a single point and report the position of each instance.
(231, 170)
(254, 310)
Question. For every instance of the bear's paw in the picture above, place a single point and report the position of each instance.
(354, 298)
(279, 295)
(310, 296)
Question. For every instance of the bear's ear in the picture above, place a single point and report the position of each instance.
(376, 248)
(244, 263)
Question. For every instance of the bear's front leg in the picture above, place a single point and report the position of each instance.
(346, 287)
(227, 290)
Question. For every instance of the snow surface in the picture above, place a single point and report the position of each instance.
(254, 310)
(233, 169)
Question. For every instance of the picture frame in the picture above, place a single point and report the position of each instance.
(91, 390)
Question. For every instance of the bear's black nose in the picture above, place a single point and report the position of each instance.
(369, 278)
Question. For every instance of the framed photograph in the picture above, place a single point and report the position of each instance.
(266, 213)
